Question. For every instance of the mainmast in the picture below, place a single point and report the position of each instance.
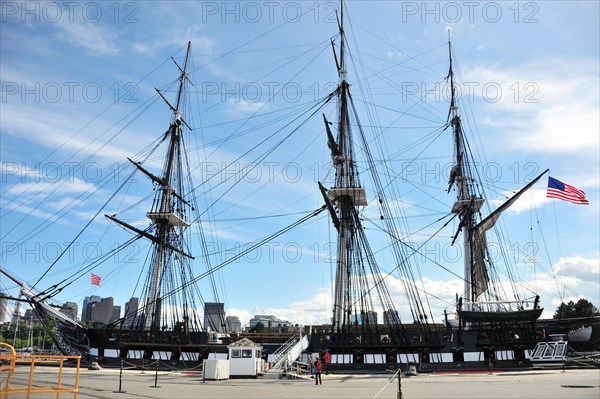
(358, 279)
(346, 193)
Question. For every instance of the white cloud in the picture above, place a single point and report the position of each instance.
(74, 186)
(532, 198)
(243, 107)
(571, 278)
(315, 310)
(92, 37)
(63, 202)
(580, 275)
(22, 207)
(242, 314)
(318, 308)
(173, 39)
(580, 268)
(54, 129)
(549, 108)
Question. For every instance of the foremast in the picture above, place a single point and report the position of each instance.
(167, 213)
(166, 219)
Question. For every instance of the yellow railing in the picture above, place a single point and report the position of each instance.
(8, 361)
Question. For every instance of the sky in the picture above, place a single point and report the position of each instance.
(78, 93)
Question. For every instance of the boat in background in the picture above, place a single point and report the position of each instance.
(581, 334)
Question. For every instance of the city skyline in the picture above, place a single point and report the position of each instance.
(107, 312)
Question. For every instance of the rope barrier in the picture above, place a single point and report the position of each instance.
(388, 383)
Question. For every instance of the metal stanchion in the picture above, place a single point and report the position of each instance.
(155, 377)
(120, 379)
(399, 394)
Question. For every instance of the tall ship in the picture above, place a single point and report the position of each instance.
(491, 321)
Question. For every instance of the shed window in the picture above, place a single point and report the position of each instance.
(247, 353)
(235, 353)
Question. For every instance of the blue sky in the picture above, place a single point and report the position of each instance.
(78, 98)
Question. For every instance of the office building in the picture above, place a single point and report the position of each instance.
(272, 323)
(391, 317)
(116, 313)
(3, 306)
(101, 312)
(131, 308)
(233, 324)
(86, 302)
(70, 310)
(214, 316)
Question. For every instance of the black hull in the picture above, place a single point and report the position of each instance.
(483, 346)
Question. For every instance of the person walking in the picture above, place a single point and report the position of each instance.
(318, 369)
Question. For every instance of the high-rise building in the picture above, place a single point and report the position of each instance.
(31, 316)
(116, 313)
(100, 312)
(70, 310)
(214, 316)
(131, 308)
(390, 316)
(88, 300)
(16, 314)
(368, 317)
(3, 306)
(233, 324)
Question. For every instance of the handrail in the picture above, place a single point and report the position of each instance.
(32, 360)
(281, 353)
(288, 353)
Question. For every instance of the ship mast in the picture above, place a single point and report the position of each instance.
(347, 194)
(467, 203)
(340, 161)
(167, 213)
(166, 218)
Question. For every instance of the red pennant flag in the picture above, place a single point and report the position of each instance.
(96, 279)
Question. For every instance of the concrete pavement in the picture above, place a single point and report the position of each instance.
(102, 384)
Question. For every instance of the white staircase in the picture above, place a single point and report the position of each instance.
(284, 358)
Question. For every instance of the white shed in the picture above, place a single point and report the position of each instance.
(245, 358)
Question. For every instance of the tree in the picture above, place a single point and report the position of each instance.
(36, 335)
(258, 328)
(583, 308)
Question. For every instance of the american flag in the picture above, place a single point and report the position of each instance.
(96, 279)
(560, 190)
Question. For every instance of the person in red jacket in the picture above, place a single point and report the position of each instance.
(318, 369)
